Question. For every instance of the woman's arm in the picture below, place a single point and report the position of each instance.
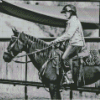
(68, 33)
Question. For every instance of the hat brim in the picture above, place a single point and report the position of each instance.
(63, 11)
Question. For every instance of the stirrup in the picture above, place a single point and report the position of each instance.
(67, 80)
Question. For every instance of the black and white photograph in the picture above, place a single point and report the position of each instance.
(49, 50)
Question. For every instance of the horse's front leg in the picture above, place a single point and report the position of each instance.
(54, 91)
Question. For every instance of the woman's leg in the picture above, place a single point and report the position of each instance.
(70, 52)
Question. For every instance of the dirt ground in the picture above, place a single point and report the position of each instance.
(17, 93)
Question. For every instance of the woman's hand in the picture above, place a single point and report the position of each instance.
(52, 43)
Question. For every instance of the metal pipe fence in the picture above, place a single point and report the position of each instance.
(39, 84)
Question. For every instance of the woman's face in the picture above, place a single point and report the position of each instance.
(67, 15)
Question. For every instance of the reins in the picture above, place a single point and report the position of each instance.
(37, 51)
(40, 50)
(16, 61)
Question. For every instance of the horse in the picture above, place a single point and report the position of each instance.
(31, 45)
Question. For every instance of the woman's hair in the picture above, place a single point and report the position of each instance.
(73, 13)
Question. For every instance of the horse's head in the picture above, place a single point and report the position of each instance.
(15, 46)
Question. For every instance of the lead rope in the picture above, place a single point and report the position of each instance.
(40, 50)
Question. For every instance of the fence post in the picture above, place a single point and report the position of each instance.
(26, 96)
(71, 93)
(71, 90)
(80, 93)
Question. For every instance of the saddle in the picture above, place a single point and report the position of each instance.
(55, 58)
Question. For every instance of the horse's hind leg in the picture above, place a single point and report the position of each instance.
(54, 91)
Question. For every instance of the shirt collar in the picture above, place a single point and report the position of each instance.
(71, 19)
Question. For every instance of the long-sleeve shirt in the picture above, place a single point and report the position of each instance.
(73, 32)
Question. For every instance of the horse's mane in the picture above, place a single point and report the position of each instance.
(34, 39)
(40, 44)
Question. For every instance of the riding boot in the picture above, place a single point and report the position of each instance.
(68, 77)
(68, 74)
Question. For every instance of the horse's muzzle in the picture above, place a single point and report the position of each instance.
(7, 57)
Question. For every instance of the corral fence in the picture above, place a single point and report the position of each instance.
(20, 74)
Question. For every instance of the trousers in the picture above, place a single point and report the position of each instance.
(71, 51)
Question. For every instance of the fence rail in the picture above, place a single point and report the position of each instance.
(39, 85)
(87, 39)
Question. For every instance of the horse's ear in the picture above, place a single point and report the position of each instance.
(16, 33)
(22, 35)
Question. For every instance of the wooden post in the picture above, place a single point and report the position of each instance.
(71, 90)
(26, 96)
(99, 20)
(71, 93)
(97, 85)
(80, 93)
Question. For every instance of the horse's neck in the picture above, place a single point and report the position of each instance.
(38, 59)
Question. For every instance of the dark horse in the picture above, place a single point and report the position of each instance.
(22, 42)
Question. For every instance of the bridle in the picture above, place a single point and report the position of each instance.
(17, 40)
(12, 45)
(37, 51)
